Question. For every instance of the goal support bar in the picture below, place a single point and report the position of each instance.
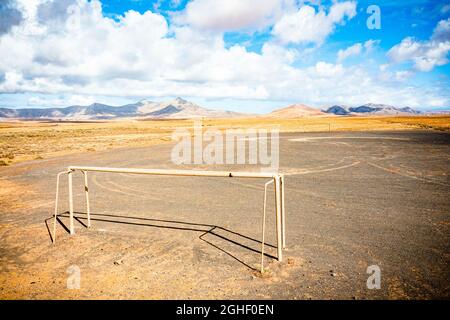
(275, 178)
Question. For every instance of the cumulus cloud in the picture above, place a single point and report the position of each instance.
(403, 75)
(49, 11)
(10, 16)
(353, 50)
(232, 15)
(307, 25)
(61, 100)
(356, 49)
(82, 53)
(371, 44)
(424, 55)
(442, 31)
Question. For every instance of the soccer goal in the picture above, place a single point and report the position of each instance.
(274, 178)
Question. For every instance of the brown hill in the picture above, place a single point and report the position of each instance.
(296, 111)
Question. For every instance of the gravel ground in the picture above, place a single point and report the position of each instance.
(353, 200)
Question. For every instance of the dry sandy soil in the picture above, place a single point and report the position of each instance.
(22, 141)
(353, 199)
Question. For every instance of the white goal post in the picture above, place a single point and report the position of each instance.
(275, 178)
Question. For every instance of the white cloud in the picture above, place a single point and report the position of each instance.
(10, 16)
(442, 31)
(61, 101)
(369, 45)
(403, 75)
(356, 49)
(383, 67)
(232, 15)
(85, 54)
(353, 50)
(326, 70)
(425, 55)
(307, 25)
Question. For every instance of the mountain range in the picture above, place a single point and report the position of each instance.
(371, 109)
(182, 109)
(144, 109)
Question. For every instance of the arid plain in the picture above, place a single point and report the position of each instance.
(31, 140)
(359, 192)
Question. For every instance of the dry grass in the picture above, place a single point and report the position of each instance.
(437, 123)
(22, 141)
(324, 124)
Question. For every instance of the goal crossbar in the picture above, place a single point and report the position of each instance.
(173, 172)
(275, 178)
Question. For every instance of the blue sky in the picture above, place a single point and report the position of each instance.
(246, 55)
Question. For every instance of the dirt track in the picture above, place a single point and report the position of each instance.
(352, 200)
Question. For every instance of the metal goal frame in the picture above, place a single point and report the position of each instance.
(275, 178)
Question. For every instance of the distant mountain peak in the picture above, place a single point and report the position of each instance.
(181, 100)
(145, 101)
(338, 110)
(295, 111)
(371, 109)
